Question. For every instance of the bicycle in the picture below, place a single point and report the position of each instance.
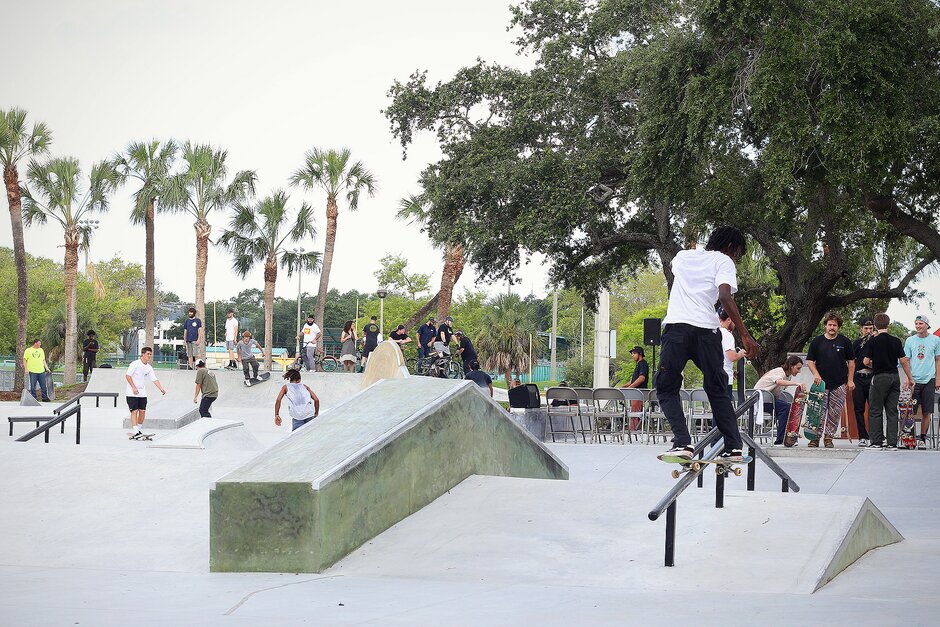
(321, 362)
(442, 366)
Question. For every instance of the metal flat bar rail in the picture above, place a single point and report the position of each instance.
(61, 418)
(78, 397)
(758, 453)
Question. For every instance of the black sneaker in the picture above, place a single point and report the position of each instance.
(875, 446)
(891, 448)
(681, 451)
(734, 455)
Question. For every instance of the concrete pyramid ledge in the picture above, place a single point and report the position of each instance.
(360, 468)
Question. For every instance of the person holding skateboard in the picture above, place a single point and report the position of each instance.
(882, 354)
(138, 373)
(831, 359)
(923, 350)
(89, 354)
(208, 386)
(862, 379)
(690, 331)
(34, 359)
(774, 381)
(304, 405)
(247, 357)
(231, 338)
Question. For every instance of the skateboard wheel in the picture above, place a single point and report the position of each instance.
(737, 472)
(675, 474)
(696, 466)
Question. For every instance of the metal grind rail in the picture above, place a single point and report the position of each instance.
(708, 448)
(52, 421)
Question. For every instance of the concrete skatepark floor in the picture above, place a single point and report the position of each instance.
(112, 532)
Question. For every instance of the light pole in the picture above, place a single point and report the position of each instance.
(87, 226)
(298, 252)
(382, 293)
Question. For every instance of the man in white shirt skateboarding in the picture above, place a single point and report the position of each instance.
(690, 331)
(138, 372)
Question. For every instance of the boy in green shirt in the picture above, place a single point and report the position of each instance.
(208, 386)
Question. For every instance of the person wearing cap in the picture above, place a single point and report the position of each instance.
(400, 337)
(882, 355)
(370, 339)
(309, 333)
(426, 335)
(923, 349)
(465, 349)
(863, 376)
(641, 369)
(444, 334)
(207, 386)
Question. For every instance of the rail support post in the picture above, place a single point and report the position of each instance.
(671, 534)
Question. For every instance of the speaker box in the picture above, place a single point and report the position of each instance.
(652, 329)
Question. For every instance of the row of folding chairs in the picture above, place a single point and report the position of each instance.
(632, 415)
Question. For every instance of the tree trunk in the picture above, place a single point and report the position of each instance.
(149, 278)
(421, 315)
(332, 213)
(12, 182)
(454, 259)
(71, 304)
(508, 375)
(270, 277)
(203, 230)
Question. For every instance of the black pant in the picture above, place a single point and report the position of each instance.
(253, 364)
(88, 364)
(204, 406)
(680, 343)
(859, 398)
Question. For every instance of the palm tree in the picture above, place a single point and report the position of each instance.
(18, 142)
(264, 232)
(149, 163)
(55, 192)
(503, 341)
(331, 171)
(198, 190)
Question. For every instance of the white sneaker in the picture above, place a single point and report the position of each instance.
(863, 443)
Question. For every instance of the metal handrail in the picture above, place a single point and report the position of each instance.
(81, 395)
(61, 418)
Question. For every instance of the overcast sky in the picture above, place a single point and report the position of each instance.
(266, 81)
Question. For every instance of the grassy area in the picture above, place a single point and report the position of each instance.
(501, 384)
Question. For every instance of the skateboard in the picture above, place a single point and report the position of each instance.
(795, 418)
(262, 377)
(141, 436)
(906, 418)
(815, 411)
(722, 467)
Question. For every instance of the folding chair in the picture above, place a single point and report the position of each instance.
(586, 422)
(562, 406)
(610, 414)
(700, 418)
(635, 418)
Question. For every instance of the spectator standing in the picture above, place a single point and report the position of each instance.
(465, 349)
(479, 377)
(370, 339)
(400, 337)
(444, 335)
(206, 385)
(192, 336)
(426, 335)
(774, 381)
(347, 354)
(310, 334)
(831, 359)
(882, 354)
(862, 379)
(35, 361)
(730, 352)
(89, 354)
(231, 338)
(923, 351)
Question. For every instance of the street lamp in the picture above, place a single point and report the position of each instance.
(298, 252)
(382, 293)
(87, 226)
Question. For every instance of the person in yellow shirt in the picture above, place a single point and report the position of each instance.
(35, 360)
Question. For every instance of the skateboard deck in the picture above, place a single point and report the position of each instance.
(906, 418)
(142, 436)
(815, 411)
(694, 465)
(262, 377)
(795, 418)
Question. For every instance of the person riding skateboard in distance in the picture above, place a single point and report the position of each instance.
(138, 373)
(690, 331)
(247, 357)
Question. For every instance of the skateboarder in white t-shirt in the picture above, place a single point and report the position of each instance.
(690, 331)
(138, 372)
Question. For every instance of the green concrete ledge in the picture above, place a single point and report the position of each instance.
(360, 468)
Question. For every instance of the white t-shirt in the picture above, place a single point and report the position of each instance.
(698, 273)
(310, 330)
(727, 344)
(768, 382)
(231, 329)
(139, 372)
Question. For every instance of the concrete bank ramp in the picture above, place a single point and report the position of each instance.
(360, 468)
(507, 530)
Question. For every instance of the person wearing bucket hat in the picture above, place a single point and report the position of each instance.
(863, 376)
(923, 349)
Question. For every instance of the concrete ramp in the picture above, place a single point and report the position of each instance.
(506, 530)
(211, 433)
(360, 468)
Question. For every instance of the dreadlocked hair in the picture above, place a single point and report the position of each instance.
(727, 237)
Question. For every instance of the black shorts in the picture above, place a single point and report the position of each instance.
(136, 402)
(924, 396)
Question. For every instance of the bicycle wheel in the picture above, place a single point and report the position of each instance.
(329, 364)
(412, 365)
(422, 366)
(454, 370)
